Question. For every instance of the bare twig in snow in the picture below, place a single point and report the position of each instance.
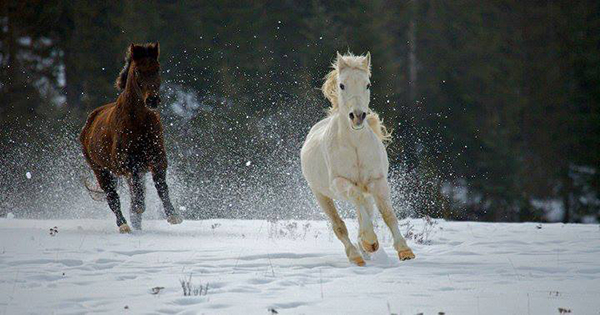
(321, 280)
(190, 289)
(423, 237)
(390, 309)
(83, 240)
(515, 269)
(270, 263)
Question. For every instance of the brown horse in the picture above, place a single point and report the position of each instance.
(125, 138)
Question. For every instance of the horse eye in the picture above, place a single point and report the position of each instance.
(369, 86)
(342, 86)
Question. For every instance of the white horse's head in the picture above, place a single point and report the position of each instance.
(354, 88)
(348, 89)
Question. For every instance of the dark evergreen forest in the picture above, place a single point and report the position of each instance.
(495, 105)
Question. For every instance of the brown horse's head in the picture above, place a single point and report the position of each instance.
(143, 70)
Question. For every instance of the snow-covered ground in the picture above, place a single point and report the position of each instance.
(252, 266)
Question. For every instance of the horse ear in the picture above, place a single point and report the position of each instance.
(137, 52)
(340, 63)
(130, 50)
(367, 61)
(154, 50)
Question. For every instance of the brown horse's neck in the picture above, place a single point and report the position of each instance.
(131, 99)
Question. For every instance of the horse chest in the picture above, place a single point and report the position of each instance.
(359, 164)
(134, 149)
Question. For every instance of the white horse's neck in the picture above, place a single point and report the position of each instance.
(348, 135)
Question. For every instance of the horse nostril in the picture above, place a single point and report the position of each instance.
(153, 100)
(351, 115)
(364, 115)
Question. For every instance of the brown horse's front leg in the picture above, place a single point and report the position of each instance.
(159, 175)
(108, 183)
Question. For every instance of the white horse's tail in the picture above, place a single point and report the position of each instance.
(329, 90)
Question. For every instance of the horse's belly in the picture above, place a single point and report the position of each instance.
(98, 150)
(120, 160)
(314, 168)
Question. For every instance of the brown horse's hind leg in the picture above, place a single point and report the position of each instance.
(137, 190)
(160, 182)
(108, 183)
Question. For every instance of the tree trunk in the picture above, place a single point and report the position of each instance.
(72, 87)
(412, 162)
(567, 187)
(412, 54)
(9, 73)
(10, 42)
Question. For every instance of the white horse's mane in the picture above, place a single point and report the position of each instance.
(330, 91)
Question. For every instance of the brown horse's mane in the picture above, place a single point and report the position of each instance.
(122, 78)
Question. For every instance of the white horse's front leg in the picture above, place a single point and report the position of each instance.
(367, 238)
(380, 189)
(339, 228)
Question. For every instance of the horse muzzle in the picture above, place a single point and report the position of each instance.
(153, 101)
(357, 119)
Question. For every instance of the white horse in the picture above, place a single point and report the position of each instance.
(341, 159)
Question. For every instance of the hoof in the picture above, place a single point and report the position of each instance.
(406, 254)
(136, 225)
(359, 261)
(136, 221)
(354, 256)
(124, 229)
(175, 219)
(369, 248)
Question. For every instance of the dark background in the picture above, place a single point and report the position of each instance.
(494, 104)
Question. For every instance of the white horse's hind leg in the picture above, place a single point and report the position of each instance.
(339, 228)
(381, 191)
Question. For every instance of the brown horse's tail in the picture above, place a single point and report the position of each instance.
(94, 190)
